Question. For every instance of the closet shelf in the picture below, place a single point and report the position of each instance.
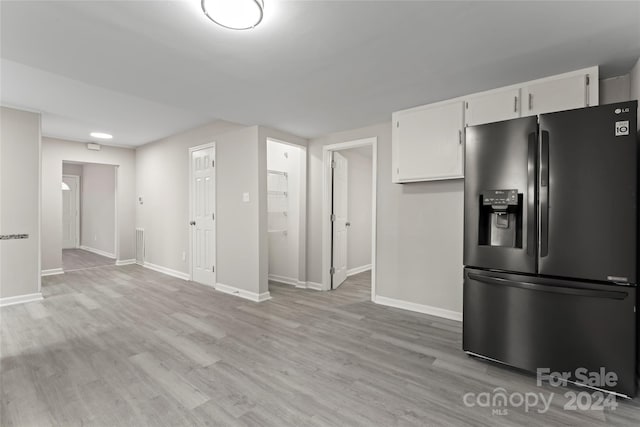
(277, 173)
(278, 231)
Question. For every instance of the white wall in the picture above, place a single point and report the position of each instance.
(98, 201)
(419, 228)
(615, 89)
(634, 86)
(162, 180)
(284, 250)
(359, 207)
(54, 152)
(72, 169)
(19, 202)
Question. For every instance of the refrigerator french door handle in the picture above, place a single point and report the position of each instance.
(592, 293)
(531, 190)
(544, 193)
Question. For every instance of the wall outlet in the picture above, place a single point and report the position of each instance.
(245, 197)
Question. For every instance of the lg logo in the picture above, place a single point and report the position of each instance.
(621, 110)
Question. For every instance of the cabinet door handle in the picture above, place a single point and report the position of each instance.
(515, 104)
(530, 101)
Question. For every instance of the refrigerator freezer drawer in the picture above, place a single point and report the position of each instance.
(531, 322)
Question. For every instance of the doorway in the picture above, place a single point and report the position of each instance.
(286, 212)
(89, 218)
(70, 211)
(349, 214)
(202, 208)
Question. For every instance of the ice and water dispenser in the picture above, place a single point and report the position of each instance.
(500, 218)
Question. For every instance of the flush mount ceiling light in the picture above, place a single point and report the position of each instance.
(234, 14)
(101, 135)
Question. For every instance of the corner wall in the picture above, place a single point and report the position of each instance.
(19, 205)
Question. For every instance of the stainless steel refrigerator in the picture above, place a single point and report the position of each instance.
(551, 242)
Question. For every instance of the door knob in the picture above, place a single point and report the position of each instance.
(192, 223)
(348, 224)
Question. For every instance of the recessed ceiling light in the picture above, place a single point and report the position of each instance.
(234, 14)
(101, 135)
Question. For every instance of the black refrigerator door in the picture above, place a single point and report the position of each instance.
(531, 322)
(499, 195)
(588, 193)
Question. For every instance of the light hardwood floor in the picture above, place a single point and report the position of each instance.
(128, 346)
(78, 259)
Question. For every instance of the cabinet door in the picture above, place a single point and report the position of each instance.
(428, 143)
(492, 107)
(556, 95)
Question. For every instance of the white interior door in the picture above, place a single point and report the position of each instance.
(70, 211)
(339, 219)
(203, 251)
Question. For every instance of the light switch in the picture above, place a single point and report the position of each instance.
(245, 197)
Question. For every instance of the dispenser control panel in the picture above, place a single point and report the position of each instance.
(500, 197)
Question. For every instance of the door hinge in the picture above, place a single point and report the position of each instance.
(333, 164)
(460, 137)
(333, 217)
(213, 163)
(588, 79)
(398, 124)
(332, 271)
(213, 216)
(466, 105)
(213, 269)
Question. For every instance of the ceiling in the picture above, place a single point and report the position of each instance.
(142, 70)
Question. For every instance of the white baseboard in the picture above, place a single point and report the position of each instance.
(300, 284)
(121, 262)
(315, 286)
(20, 299)
(51, 272)
(419, 308)
(167, 271)
(357, 270)
(97, 251)
(252, 296)
(282, 279)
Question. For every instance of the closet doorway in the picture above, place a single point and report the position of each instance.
(286, 211)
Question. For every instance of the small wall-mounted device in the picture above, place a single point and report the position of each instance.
(93, 146)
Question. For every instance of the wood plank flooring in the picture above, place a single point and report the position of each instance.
(127, 346)
(78, 259)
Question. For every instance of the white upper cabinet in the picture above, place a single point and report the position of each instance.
(428, 143)
(558, 94)
(492, 107)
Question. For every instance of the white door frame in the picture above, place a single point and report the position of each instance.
(77, 179)
(326, 207)
(302, 221)
(215, 208)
